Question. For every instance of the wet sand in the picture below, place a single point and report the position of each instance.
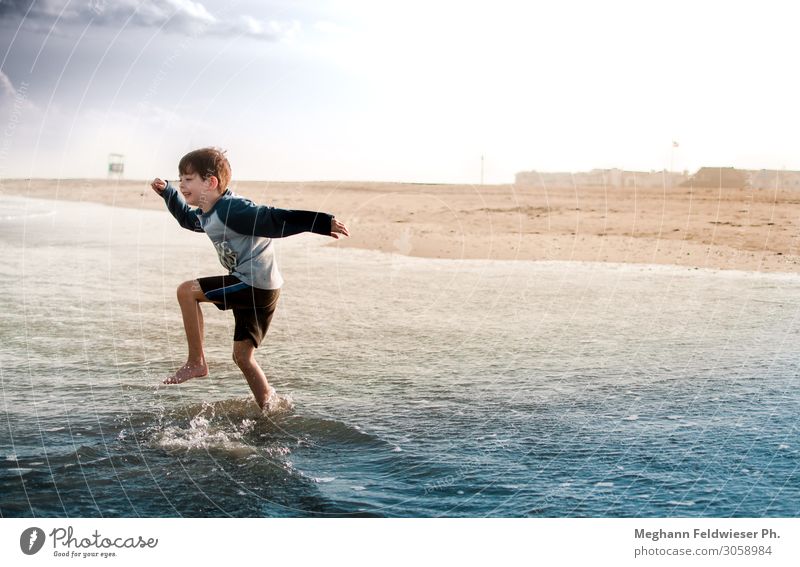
(741, 229)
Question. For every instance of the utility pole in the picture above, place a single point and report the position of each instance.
(672, 161)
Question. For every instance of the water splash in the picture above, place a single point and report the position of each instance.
(212, 430)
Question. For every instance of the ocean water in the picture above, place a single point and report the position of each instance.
(408, 386)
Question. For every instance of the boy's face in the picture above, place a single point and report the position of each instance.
(198, 191)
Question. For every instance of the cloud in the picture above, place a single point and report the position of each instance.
(18, 118)
(7, 90)
(181, 16)
(173, 16)
(8, 7)
(13, 97)
(329, 27)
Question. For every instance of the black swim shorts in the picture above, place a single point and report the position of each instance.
(252, 307)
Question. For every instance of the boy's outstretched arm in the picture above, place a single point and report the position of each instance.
(245, 217)
(176, 205)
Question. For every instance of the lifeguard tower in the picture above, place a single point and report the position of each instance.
(116, 165)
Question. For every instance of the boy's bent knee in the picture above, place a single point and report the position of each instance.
(190, 289)
(243, 352)
(184, 289)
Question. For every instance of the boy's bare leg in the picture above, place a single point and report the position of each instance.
(244, 357)
(200, 321)
(189, 297)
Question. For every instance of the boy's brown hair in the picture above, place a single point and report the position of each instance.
(206, 162)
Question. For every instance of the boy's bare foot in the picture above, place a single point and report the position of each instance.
(187, 372)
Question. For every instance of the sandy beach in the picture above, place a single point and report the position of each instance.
(740, 229)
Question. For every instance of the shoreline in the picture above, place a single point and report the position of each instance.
(722, 229)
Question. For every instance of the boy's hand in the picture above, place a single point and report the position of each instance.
(158, 185)
(338, 228)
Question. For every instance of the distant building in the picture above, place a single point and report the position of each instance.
(733, 178)
(774, 179)
(725, 177)
(549, 178)
(718, 177)
(613, 178)
(653, 179)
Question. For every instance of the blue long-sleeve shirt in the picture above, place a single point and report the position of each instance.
(242, 232)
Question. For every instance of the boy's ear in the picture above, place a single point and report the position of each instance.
(214, 182)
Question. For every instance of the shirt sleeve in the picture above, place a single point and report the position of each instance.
(245, 217)
(184, 214)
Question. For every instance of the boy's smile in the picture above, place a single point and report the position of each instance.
(199, 192)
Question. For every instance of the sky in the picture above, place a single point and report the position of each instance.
(417, 91)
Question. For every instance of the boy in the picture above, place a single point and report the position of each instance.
(242, 233)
